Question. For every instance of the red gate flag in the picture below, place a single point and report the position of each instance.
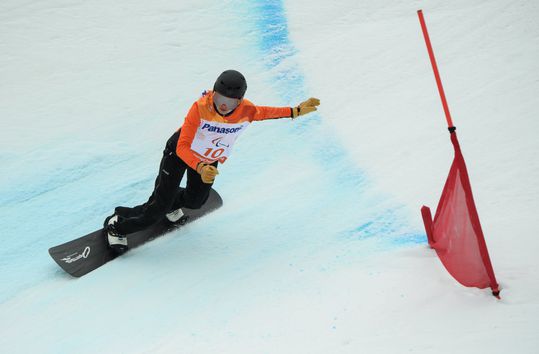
(456, 232)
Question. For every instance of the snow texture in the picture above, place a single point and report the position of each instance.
(319, 247)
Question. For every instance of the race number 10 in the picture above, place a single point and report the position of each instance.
(214, 153)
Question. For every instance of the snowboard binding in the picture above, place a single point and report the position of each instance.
(117, 242)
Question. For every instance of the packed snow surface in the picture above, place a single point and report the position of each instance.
(319, 247)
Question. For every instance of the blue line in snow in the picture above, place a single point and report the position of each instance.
(278, 53)
(276, 46)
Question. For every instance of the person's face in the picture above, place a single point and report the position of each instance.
(225, 104)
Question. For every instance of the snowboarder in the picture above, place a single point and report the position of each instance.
(209, 131)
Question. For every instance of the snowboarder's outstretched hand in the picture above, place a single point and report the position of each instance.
(207, 172)
(305, 107)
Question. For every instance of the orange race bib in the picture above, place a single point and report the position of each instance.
(214, 141)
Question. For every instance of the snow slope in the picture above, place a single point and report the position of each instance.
(319, 247)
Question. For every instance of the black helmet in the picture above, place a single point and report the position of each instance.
(231, 83)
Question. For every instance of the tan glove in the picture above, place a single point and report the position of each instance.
(305, 107)
(207, 172)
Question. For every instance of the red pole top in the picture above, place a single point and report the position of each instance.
(435, 69)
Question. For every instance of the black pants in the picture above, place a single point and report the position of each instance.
(166, 195)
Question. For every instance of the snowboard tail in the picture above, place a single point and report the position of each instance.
(80, 256)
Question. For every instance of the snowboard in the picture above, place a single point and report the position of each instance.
(80, 256)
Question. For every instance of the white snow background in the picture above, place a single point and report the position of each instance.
(319, 247)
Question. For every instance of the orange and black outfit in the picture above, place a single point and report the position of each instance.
(205, 137)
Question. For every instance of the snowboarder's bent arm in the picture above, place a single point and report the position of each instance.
(188, 132)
